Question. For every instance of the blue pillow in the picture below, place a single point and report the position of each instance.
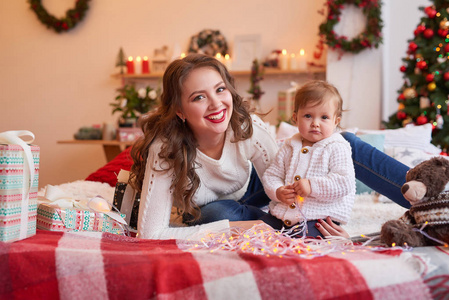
(377, 141)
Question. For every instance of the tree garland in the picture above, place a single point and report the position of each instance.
(370, 37)
(72, 17)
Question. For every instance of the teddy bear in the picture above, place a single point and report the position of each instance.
(427, 221)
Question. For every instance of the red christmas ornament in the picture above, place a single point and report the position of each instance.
(446, 48)
(401, 97)
(430, 11)
(403, 69)
(401, 115)
(430, 77)
(428, 33)
(421, 28)
(446, 76)
(421, 64)
(412, 47)
(421, 120)
(442, 32)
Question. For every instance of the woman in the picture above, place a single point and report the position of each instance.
(199, 147)
(203, 152)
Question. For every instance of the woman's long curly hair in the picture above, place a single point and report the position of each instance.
(179, 143)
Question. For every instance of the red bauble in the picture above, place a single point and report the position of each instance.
(401, 97)
(446, 48)
(401, 115)
(403, 69)
(421, 120)
(428, 33)
(430, 11)
(430, 77)
(420, 29)
(446, 76)
(421, 64)
(412, 46)
(442, 32)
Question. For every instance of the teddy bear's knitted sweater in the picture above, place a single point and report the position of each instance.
(434, 211)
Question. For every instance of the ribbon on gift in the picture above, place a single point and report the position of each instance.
(56, 197)
(17, 137)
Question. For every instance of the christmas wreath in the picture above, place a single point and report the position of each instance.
(72, 17)
(208, 42)
(370, 37)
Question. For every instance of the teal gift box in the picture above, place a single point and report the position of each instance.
(18, 195)
(75, 219)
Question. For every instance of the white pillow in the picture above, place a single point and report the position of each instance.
(285, 131)
(411, 136)
(409, 156)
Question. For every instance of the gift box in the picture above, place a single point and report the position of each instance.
(19, 179)
(286, 103)
(54, 218)
(127, 200)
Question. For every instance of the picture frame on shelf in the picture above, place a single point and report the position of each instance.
(246, 49)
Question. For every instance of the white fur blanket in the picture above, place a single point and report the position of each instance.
(368, 213)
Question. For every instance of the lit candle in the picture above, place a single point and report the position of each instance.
(219, 57)
(284, 60)
(228, 62)
(130, 65)
(293, 62)
(138, 65)
(302, 60)
(145, 65)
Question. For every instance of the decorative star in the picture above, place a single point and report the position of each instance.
(406, 153)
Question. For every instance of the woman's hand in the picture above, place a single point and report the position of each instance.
(329, 228)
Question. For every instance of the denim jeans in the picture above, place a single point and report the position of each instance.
(377, 170)
(374, 168)
(247, 208)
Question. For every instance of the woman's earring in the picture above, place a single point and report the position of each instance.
(182, 119)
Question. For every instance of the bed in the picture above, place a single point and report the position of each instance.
(74, 265)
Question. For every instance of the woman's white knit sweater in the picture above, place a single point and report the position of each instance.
(225, 178)
(329, 168)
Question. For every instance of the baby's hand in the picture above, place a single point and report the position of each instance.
(286, 194)
(302, 187)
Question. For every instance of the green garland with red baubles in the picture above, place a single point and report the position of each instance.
(370, 37)
(69, 21)
(423, 97)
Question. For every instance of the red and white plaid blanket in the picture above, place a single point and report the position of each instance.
(53, 265)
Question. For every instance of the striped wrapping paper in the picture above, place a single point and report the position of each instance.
(75, 219)
(11, 188)
(92, 265)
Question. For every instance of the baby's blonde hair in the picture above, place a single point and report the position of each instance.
(315, 92)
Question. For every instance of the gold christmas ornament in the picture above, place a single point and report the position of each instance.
(444, 24)
(401, 106)
(406, 121)
(409, 93)
(431, 86)
(418, 56)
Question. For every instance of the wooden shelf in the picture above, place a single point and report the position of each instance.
(111, 148)
(268, 72)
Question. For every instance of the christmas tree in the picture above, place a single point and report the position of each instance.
(423, 98)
